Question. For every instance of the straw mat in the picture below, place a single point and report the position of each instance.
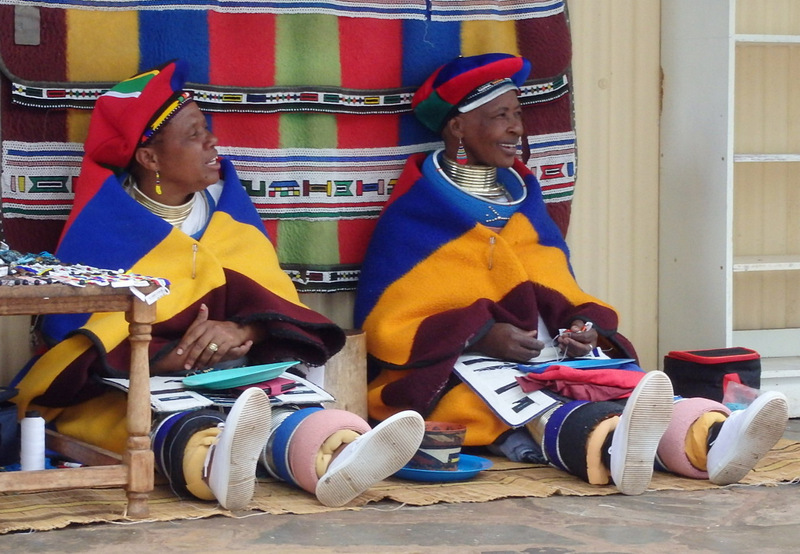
(53, 510)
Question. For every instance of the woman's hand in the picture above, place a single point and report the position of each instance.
(507, 342)
(578, 341)
(208, 342)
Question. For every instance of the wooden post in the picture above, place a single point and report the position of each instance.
(346, 375)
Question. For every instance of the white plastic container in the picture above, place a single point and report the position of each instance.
(31, 452)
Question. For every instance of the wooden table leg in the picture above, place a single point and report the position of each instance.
(139, 456)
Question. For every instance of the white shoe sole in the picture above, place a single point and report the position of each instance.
(643, 422)
(379, 453)
(764, 426)
(232, 476)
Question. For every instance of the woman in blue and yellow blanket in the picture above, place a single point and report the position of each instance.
(154, 198)
(466, 259)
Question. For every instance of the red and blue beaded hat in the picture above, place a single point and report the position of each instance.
(132, 112)
(465, 84)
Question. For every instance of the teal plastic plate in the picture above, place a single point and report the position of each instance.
(236, 377)
(468, 467)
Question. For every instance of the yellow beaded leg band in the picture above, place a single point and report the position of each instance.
(194, 457)
(697, 438)
(331, 447)
(596, 471)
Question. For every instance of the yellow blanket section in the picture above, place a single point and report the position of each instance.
(481, 263)
(459, 405)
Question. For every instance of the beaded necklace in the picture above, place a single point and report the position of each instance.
(174, 215)
(478, 180)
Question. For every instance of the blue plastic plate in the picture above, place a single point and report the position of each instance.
(578, 363)
(468, 467)
(236, 377)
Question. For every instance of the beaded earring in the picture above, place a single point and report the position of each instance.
(461, 154)
(158, 183)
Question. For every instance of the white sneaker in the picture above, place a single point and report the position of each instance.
(746, 436)
(643, 421)
(372, 457)
(231, 462)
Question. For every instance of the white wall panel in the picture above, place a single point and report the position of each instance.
(614, 231)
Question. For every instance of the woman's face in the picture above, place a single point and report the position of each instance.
(490, 133)
(186, 153)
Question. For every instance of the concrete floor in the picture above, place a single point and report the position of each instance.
(731, 520)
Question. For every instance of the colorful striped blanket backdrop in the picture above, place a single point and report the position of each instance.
(310, 101)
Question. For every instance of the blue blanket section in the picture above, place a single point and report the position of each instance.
(112, 230)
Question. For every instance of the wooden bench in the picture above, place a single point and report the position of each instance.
(134, 470)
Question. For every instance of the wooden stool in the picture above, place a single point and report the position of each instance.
(346, 375)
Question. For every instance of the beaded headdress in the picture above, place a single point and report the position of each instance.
(465, 84)
(132, 112)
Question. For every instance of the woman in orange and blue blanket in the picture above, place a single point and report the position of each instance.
(465, 259)
(155, 198)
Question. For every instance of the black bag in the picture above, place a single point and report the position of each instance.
(701, 372)
(9, 428)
